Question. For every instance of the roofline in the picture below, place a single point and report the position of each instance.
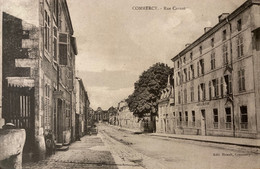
(82, 84)
(214, 29)
(68, 16)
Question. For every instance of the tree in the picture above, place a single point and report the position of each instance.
(144, 99)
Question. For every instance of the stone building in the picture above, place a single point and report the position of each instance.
(82, 108)
(38, 70)
(165, 121)
(127, 119)
(217, 84)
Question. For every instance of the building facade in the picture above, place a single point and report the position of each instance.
(113, 114)
(127, 119)
(217, 81)
(82, 109)
(165, 120)
(38, 70)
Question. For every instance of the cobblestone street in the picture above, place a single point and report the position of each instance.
(113, 148)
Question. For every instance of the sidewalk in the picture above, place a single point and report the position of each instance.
(90, 152)
(247, 142)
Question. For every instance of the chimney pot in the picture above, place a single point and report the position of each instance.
(206, 29)
(222, 16)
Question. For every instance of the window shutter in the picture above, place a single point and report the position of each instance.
(63, 48)
(70, 79)
(241, 46)
(198, 92)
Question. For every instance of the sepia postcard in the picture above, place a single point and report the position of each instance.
(130, 84)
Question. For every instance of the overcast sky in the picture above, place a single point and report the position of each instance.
(116, 43)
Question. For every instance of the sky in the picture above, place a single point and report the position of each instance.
(116, 42)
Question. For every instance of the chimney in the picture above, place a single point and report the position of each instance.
(187, 44)
(222, 16)
(206, 29)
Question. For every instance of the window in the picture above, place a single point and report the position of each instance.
(185, 75)
(198, 69)
(185, 95)
(46, 31)
(212, 42)
(178, 64)
(179, 77)
(228, 84)
(192, 94)
(241, 80)
(215, 87)
(192, 71)
(55, 43)
(240, 46)
(224, 35)
(244, 117)
(193, 117)
(179, 97)
(173, 113)
(189, 78)
(202, 66)
(215, 118)
(225, 54)
(180, 116)
(228, 118)
(213, 61)
(198, 92)
(221, 87)
(203, 91)
(64, 48)
(186, 118)
(209, 90)
(200, 49)
(184, 59)
(191, 56)
(239, 25)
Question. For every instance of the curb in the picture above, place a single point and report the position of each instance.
(208, 141)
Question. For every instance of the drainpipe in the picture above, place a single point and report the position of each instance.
(231, 64)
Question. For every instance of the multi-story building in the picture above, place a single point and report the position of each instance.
(38, 70)
(82, 106)
(165, 120)
(217, 84)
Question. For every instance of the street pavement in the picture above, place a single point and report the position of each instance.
(115, 148)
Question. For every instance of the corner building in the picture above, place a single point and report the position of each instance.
(217, 80)
(38, 71)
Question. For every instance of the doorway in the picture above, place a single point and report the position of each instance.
(203, 122)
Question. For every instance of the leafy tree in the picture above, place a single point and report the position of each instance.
(144, 99)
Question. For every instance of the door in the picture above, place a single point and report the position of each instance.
(59, 122)
(203, 123)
